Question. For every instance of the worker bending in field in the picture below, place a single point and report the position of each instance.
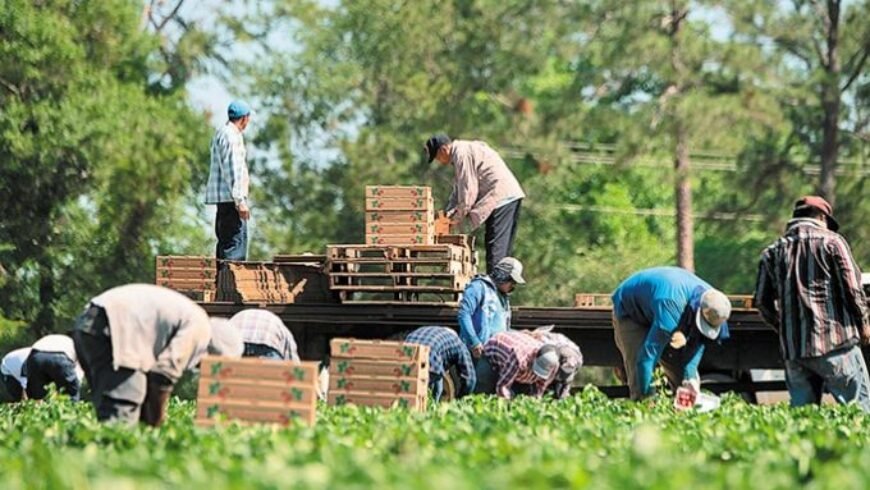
(570, 359)
(446, 351)
(135, 341)
(809, 291)
(485, 310)
(484, 191)
(519, 358)
(14, 382)
(265, 335)
(52, 359)
(667, 315)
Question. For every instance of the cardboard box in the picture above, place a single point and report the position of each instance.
(386, 228)
(412, 216)
(360, 367)
(418, 239)
(278, 391)
(209, 410)
(393, 204)
(186, 262)
(398, 191)
(288, 372)
(381, 384)
(373, 399)
(377, 349)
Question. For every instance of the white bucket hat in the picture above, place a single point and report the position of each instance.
(713, 312)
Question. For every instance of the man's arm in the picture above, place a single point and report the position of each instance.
(691, 370)
(849, 276)
(507, 374)
(466, 371)
(765, 294)
(471, 299)
(648, 355)
(466, 184)
(188, 342)
(240, 167)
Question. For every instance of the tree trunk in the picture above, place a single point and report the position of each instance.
(45, 318)
(683, 194)
(682, 164)
(830, 105)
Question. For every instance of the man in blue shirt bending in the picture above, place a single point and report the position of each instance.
(666, 314)
(484, 311)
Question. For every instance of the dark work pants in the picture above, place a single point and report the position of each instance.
(261, 351)
(14, 390)
(232, 233)
(501, 230)
(44, 368)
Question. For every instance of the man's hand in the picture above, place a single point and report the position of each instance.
(244, 212)
(865, 333)
(477, 351)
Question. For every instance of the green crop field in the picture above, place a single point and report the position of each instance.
(585, 442)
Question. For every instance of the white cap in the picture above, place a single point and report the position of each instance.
(713, 312)
(546, 362)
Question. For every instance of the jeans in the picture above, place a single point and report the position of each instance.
(118, 395)
(14, 390)
(436, 386)
(842, 372)
(486, 376)
(262, 351)
(501, 230)
(43, 368)
(232, 233)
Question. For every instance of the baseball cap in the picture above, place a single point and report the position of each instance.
(511, 268)
(434, 143)
(238, 109)
(822, 205)
(546, 361)
(713, 312)
(226, 340)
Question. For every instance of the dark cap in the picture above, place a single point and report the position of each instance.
(820, 204)
(434, 143)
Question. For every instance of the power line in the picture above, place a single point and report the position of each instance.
(720, 216)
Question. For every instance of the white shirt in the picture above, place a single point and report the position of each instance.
(12, 363)
(57, 343)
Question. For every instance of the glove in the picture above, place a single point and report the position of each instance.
(156, 399)
(693, 383)
(678, 340)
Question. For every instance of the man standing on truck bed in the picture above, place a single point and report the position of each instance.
(228, 184)
(484, 191)
(667, 315)
(809, 291)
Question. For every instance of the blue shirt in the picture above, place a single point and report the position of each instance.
(483, 312)
(664, 298)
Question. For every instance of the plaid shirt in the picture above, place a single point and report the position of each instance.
(446, 350)
(266, 328)
(228, 171)
(512, 355)
(809, 291)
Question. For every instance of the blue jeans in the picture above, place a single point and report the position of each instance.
(43, 368)
(842, 372)
(262, 351)
(232, 233)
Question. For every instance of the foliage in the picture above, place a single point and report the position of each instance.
(587, 441)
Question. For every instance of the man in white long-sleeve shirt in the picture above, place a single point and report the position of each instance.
(10, 369)
(135, 341)
(228, 184)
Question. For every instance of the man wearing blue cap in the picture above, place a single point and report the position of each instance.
(228, 184)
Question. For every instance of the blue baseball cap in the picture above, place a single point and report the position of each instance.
(238, 109)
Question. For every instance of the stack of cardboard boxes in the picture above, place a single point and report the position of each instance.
(399, 215)
(378, 373)
(193, 276)
(256, 390)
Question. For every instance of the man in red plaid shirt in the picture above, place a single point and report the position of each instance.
(520, 358)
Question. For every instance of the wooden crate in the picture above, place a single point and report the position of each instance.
(410, 265)
(592, 300)
(381, 384)
(398, 297)
(418, 216)
(406, 281)
(400, 204)
(370, 367)
(183, 285)
(374, 399)
(377, 349)
(398, 191)
(257, 390)
(387, 228)
(185, 262)
(390, 239)
(187, 274)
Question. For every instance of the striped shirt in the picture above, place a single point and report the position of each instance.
(266, 328)
(512, 355)
(809, 291)
(445, 351)
(228, 170)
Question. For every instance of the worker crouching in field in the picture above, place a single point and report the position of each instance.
(265, 335)
(135, 341)
(485, 310)
(446, 351)
(14, 382)
(570, 359)
(52, 359)
(666, 315)
(518, 358)
(809, 291)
